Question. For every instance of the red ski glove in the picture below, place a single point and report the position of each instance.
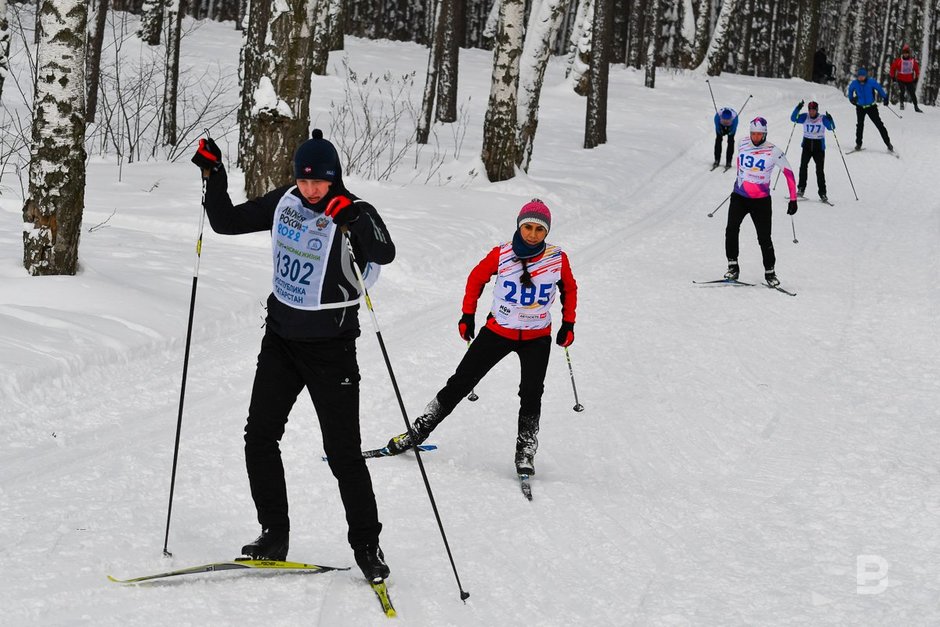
(565, 335)
(466, 326)
(342, 211)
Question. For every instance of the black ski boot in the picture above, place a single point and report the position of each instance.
(733, 271)
(527, 444)
(270, 545)
(771, 278)
(371, 561)
(421, 428)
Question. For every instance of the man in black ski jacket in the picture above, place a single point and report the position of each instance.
(310, 337)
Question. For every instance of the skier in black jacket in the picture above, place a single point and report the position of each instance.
(310, 337)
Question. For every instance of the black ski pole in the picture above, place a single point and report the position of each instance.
(792, 224)
(577, 406)
(189, 336)
(473, 393)
(707, 82)
(746, 100)
(785, 152)
(719, 206)
(888, 107)
(404, 413)
(841, 154)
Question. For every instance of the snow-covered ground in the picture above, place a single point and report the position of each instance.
(744, 458)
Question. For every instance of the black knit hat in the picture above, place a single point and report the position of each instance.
(316, 158)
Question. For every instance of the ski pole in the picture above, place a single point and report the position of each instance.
(785, 152)
(841, 154)
(189, 335)
(792, 224)
(707, 82)
(473, 394)
(888, 107)
(401, 404)
(577, 406)
(719, 206)
(746, 100)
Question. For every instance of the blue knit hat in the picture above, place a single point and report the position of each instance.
(726, 114)
(862, 72)
(316, 158)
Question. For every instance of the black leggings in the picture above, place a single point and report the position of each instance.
(909, 87)
(761, 213)
(872, 112)
(813, 149)
(728, 153)
(329, 371)
(487, 350)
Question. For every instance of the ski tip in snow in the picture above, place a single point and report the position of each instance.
(526, 486)
(381, 592)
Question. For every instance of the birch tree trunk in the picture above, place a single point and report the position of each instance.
(173, 21)
(652, 49)
(52, 213)
(430, 79)
(857, 39)
(928, 26)
(492, 20)
(714, 60)
(93, 58)
(324, 23)
(544, 20)
(279, 117)
(151, 21)
(807, 35)
(881, 72)
(702, 28)
(499, 126)
(847, 11)
(595, 127)
(451, 16)
(579, 55)
(4, 44)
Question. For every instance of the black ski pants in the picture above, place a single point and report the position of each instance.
(813, 149)
(729, 152)
(760, 211)
(872, 112)
(329, 371)
(910, 88)
(487, 350)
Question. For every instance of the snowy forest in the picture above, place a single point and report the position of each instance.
(81, 101)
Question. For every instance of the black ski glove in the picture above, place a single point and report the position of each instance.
(886, 101)
(342, 211)
(565, 334)
(208, 156)
(800, 105)
(465, 327)
(791, 208)
(854, 100)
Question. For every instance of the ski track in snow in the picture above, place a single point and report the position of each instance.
(738, 452)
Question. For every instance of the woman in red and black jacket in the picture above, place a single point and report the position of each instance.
(529, 273)
(905, 70)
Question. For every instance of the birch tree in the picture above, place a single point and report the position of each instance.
(579, 50)
(499, 125)
(151, 21)
(430, 79)
(928, 24)
(544, 20)
(451, 15)
(325, 23)
(172, 20)
(702, 28)
(714, 60)
(95, 41)
(652, 48)
(4, 44)
(279, 94)
(52, 213)
(806, 38)
(595, 127)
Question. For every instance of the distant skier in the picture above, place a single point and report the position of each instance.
(726, 125)
(814, 144)
(310, 336)
(529, 273)
(861, 93)
(905, 70)
(756, 160)
(822, 69)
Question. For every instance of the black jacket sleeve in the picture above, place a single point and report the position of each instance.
(371, 240)
(248, 217)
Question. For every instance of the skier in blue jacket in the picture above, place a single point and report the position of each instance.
(862, 94)
(814, 144)
(726, 124)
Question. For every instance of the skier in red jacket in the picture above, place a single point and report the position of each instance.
(529, 273)
(906, 70)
